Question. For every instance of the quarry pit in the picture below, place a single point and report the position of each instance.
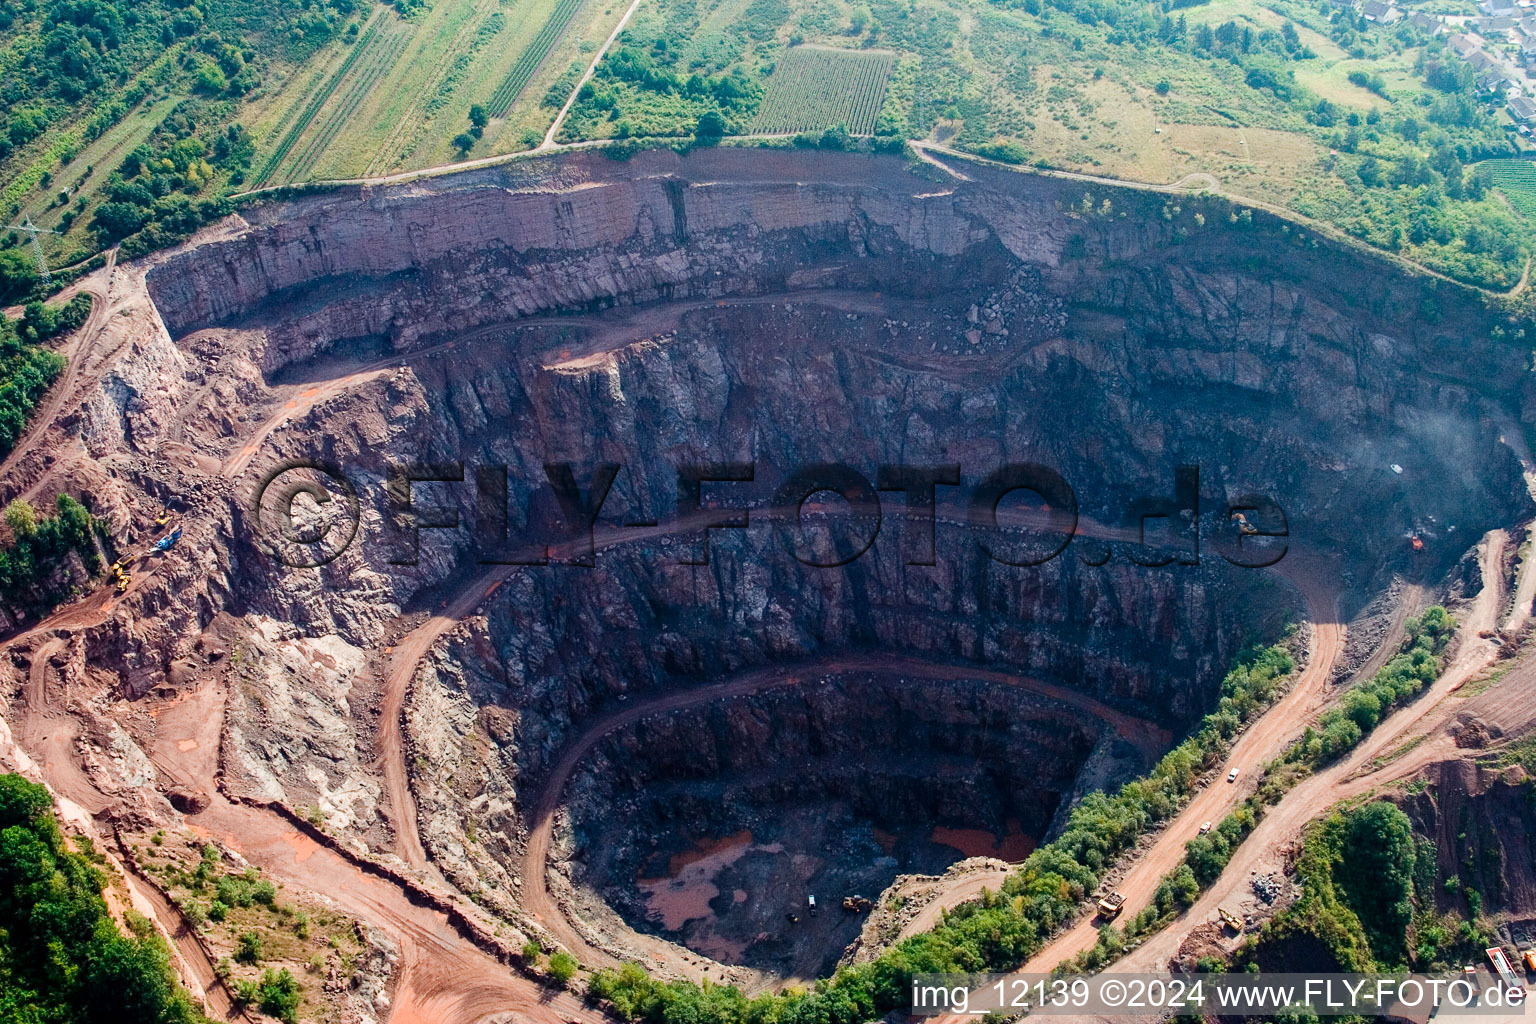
(659, 756)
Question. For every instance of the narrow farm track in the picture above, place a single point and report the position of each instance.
(549, 144)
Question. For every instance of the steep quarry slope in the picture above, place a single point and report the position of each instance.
(785, 310)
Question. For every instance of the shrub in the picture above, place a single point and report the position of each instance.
(248, 948)
(279, 995)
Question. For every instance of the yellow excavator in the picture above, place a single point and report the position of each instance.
(119, 571)
(164, 516)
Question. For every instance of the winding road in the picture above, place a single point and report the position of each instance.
(1150, 738)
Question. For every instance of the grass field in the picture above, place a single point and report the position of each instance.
(815, 87)
(1517, 180)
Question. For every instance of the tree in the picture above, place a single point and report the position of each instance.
(1374, 869)
(478, 117)
(463, 142)
(562, 967)
(64, 958)
(18, 274)
(711, 127)
(21, 517)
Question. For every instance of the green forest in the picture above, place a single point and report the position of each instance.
(62, 958)
(70, 70)
(38, 545)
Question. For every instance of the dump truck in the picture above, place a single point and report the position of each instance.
(856, 904)
(1111, 905)
(1502, 967)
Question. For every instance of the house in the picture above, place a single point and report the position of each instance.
(1380, 13)
(1522, 109)
(1493, 83)
(1496, 8)
(1482, 62)
(1527, 44)
(1462, 45)
(1429, 25)
(1498, 26)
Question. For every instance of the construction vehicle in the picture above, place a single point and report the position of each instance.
(1111, 905)
(164, 516)
(811, 900)
(1530, 959)
(122, 583)
(167, 542)
(1502, 967)
(1243, 525)
(1230, 919)
(856, 904)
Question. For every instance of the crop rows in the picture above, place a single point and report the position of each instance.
(379, 63)
(529, 60)
(1517, 180)
(815, 88)
(316, 102)
(431, 87)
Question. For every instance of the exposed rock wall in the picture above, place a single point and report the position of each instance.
(597, 314)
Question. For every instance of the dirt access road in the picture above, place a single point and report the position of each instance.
(1261, 741)
(443, 978)
(77, 351)
(1353, 776)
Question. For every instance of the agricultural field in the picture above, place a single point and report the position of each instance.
(1517, 180)
(1288, 102)
(532, 57)
(316, 125)
(816, 87)
(1284, 101)
(408, 98)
